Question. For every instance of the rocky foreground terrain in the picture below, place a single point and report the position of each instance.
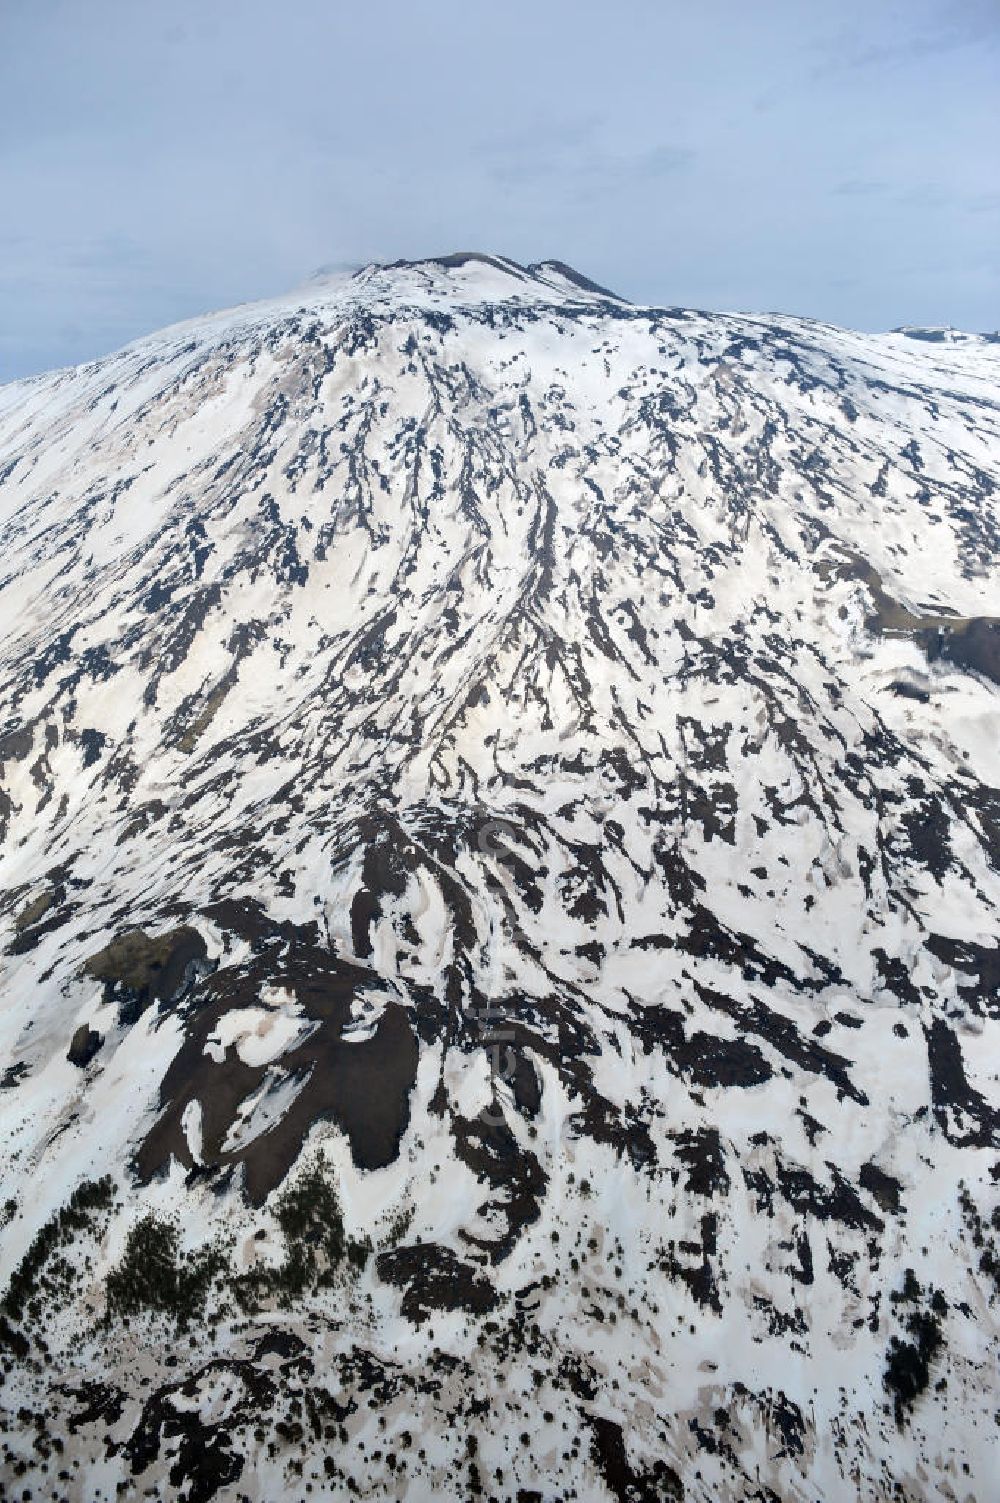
(499, 886)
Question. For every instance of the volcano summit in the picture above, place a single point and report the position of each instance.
(499, 885)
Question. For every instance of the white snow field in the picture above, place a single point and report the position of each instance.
(646, 1149)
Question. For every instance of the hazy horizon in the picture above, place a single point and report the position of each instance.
(158, 165)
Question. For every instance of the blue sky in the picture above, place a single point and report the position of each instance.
(161, 159)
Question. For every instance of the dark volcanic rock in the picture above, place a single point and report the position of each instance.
(84, 1044)
(510, 774)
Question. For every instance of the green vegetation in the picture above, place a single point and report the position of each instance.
(312, 1225)
(41, 1274)
(155, 1275)
(398, 1228)
(979, 1232)
(908, 1363)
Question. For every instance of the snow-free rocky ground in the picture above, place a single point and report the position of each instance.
(500, 866)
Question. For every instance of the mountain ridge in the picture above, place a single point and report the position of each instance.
(517, 774)
(456, 260)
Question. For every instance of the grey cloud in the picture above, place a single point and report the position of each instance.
(663, 160)
(947, 28)
(861, 187)
(155, 163)
(591, 170)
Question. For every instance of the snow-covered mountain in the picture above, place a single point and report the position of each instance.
(500, 878)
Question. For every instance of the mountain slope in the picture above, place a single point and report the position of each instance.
(522, 765)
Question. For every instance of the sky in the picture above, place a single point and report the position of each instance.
(162, 158)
